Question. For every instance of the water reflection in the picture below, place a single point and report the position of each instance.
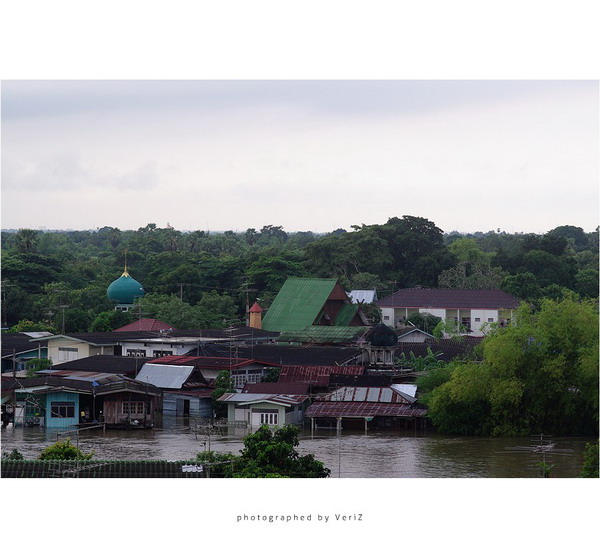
(351, 455)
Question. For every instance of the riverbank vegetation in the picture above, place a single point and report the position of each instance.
(538, 375)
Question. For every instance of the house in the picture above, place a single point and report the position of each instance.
(65, 348)
(243, 370)
(286, 354)
(185, 391)
(363, 296)
(470, 310)
(113, 364)
(316, 376)
(304, 302)
(18, 348)
(369, 407)
(257, 409)
(63, 399)
(411, 334)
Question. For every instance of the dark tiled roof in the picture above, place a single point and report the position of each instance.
(449, 298)
(285, 355)
(19, 343)
(217, 363)
(105, 363)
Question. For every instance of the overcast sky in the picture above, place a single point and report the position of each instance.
(307, 155)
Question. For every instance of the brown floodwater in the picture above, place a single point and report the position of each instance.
(354, 454)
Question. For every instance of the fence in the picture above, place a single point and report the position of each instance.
(92, 468)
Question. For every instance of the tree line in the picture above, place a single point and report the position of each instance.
(203, 279)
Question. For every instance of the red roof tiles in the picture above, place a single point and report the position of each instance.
(145, 324)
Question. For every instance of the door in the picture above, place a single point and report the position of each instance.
(186, 407)
(110, 412)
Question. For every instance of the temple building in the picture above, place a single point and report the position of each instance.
(124, 291)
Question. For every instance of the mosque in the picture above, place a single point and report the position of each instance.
(124, 291)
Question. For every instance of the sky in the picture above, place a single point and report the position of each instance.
(520, 156)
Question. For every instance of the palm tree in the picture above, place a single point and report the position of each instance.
(26, 240)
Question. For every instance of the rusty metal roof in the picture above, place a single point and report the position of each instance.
(316, 375)
(349, 409)
(289, 388)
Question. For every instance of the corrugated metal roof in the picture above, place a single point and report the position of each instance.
(316, 375)
(336, 409)
(323, 334)
(363, 296)
(298, 303)
(408, 389)
(345, 315)
(164, 376)
(371, 395)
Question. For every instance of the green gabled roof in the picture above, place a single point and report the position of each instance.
(345, 315)
(323, 334)
(297, 304)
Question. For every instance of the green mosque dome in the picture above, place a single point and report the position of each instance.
(125, 289)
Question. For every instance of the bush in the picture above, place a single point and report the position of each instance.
(64, 450)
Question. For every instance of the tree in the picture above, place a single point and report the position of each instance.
(36, 364)
(64, 450)
(223, 385)
(109, 321)
(465, 275)
(28, 325)
(26, 240)
(424, 321)
(589, 469)
(269, 454)
(538, 375)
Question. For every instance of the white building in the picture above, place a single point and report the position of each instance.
(471, 309)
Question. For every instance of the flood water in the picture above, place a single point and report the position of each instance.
(354, 454)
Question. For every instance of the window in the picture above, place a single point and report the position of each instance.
(386, 318)
(161, 353)
(62, 409)
(67, 353)
(477, 319)
(133, 407)
(490, 320)
(268, 416)
(136, 352)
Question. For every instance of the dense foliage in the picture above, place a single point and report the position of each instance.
(267, 453)
(58, 280)
(589, 469)
(64, 450)
(538, 375)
